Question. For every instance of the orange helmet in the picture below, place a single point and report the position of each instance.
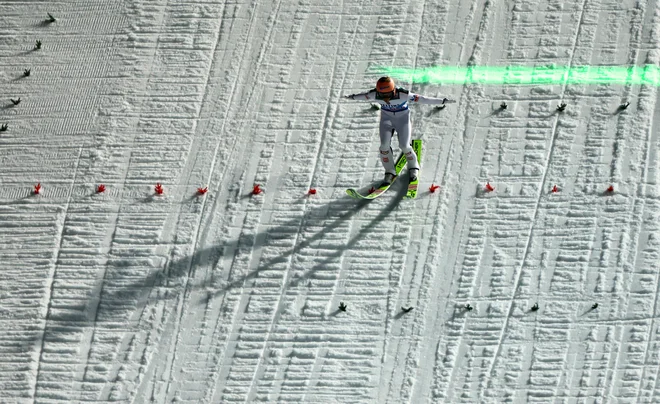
(385, 85)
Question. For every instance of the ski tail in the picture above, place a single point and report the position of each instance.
(376, 192)
(412, 186)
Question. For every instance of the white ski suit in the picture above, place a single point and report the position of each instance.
(395, 116)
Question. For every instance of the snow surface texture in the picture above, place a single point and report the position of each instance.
(129, 296)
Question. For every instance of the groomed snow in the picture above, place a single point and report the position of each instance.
(133, 297)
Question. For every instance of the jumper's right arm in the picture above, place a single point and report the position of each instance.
(360, 96)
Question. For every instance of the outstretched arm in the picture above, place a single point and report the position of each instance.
(361, 96)
(420, 99)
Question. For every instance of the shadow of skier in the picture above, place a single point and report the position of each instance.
(284, 258)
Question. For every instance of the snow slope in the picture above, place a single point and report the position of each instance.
(129, 296)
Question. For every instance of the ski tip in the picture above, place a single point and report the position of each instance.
(355, 194)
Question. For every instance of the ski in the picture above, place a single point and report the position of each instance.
(412, 186)
(376, 192)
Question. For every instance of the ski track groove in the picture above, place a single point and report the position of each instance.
(341, 276)
(541, 193)
(259, 368)
(649, 12)
(619, 331)
(64, 192)
(68, 203)
(222, 357)
(390, 59)
(51, 287)
(142, 303)
(332, 107)
(174, 222)
(338, 289)
(218, 184)
(632, 244)
(568, 360)
(432, 345)
(232, 167)
(116, 214)
(487, 11)
(165, 244)
(656, 126)
(329, 112)
(321, 351)
(391, 354)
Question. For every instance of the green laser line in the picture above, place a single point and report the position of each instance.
(521, 75)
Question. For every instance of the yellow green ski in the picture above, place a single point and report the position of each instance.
(412, 186)
(400, 164)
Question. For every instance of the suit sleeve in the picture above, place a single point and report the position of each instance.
(368, 96)
(420, 99)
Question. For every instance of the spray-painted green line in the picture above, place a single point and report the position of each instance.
(649, 75)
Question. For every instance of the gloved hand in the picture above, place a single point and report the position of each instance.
(445, 101)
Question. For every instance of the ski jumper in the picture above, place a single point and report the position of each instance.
(395, 116)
